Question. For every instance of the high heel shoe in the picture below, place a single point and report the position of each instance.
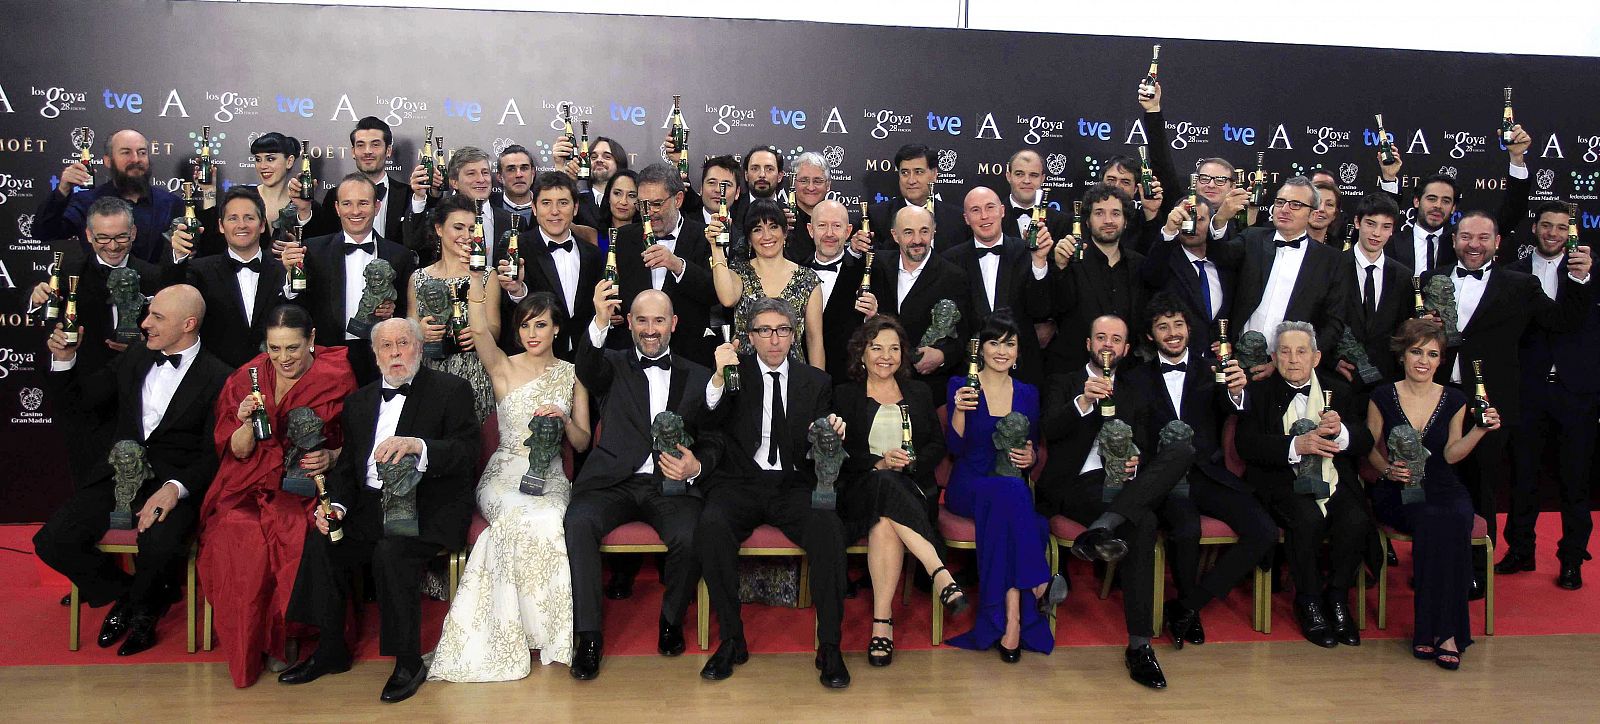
(1425, 652)
(1010, 656)
(1447, 659)
(1054, 594)
(881, 645)
(951, 596)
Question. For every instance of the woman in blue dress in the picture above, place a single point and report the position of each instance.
(1440, 524)
(1012, 537)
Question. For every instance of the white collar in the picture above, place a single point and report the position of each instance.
(900, 265)
(1363, 262)
(782, 369)
(189, 353)
(1036, 194)
(236, 257)
(1181, 360)
(549, 240)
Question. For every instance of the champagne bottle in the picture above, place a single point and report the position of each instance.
(724, 237)
(866, 275)
(1224, 351)
(680, 137)
(1147, 177)
(190, 221)
(308, 183)
(52, 305)
(1188, 226)
(325, 503)
(1107, 404)
(794, 195)
(1416, 293)
(86, 158)
(1327, 407)
(928, 204)
(71, 329)
(1242, 216)
(1077, 229)
(905, 437)
(1035, 217)
(611, 262)
(441, 162)
(513, 237)
(1480, 395)
(1508, 124)
(583, 153)
(1258, 188)
(426, 157)
(297, 273)
(649, 230)
(478, 255)
(730, 373)
(1385, 148)
(259, 424)
(202, 165)
(974, 364)
(683, 160)
(458, 316)
(1349, 236)
(1572, 230)
(1147, 86)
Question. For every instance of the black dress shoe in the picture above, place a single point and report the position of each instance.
(670, 640)
(1197, 632)
(1342, 623)
(141, 635)
(586, 660)
(1099, 544)
(1182, 622)
(1010, 656)
(730, 653)
(116, 623)
(1314, 624)
(312, 669)
(1390, 557)
(407, 678)
(831, 662)
(1571, 577)
(1143, 667)
(620, 586)
(1513, 562)
(1480, 587)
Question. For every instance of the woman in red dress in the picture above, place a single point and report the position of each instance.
(251, 530)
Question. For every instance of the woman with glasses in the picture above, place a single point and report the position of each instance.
(769, 274)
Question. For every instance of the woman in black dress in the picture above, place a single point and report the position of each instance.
(622, 204)
(886, 493)
(1440, 524)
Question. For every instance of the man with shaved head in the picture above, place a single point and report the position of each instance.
(126, 158)
(1004, 275)
(164, 392)
(624, 480)
(844, 305)
(909, 284)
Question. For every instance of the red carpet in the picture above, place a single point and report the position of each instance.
(1527, 604)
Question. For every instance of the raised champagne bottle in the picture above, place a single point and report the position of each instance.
(866, 275)
(1258, 188)
(1077, 230)
(906, 444)
(1508, 124)
(730, 373)
(1480, 395)
(649, 229)
(325, 504)
(724, 237)
(441, 161)
(259, 424)
(426, 155)
(1421, 309)
(297, 273)
(52, 304)
(680, 137)
(1147, 178)
(202, 166)
(477, 252)
(308, 183)
(1327, 407)
(1242, 216)
(611, 261)
(1193, 202)
(1572, 229)
(928, 204)
(974, 365)
(190, 220)
(513, 242)
(1035, 218)
(794, 195)
(583, 152)
(86, 157)
(1147, 86)
(1385, 148)
(1107, 404)
(71, 329)
(458, 316)
(1224, 351)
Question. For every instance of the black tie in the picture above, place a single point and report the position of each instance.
(369, 247)
(174, 359)
(1428, 263)
(383, 190)
(1476, 274)
(1179, 367)
(1291, 244)
(832, 266)
(665, 237)
(984, 251)
(1291, 390)
(778, 420)
(1205, 285)
(663, 362)
(556, 246)
(253, 265)
(390, 393)
(1369, 290)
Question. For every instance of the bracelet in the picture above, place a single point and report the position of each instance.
(715, 264)
(479, 300)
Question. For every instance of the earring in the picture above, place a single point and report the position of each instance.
(311, 349)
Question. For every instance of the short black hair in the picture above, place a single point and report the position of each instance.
(999, 325)
(275, 142)
(247, 193)
(1550, 207)
(759, 149)
(534, 305)
(508, 150)
(764, 210)
(1479, 214)
(547, 180)
(1377, 204)
(1102, 191)
(373, 123)
(912, 151)
(1437, 178)
(1127, 164)
(450, 204)
(725, 162)
(1165, 304)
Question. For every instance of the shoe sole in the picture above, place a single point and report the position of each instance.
(1111, 550)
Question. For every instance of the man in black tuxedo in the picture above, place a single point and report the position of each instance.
(676, 262)
(1104, 282)
(1342, 520)
(164, 392)
(812, 181)
(1183, 383)
(469, 175)
(517, 176)
(1495, 308)
(1195, 268)
(1124, 525)
(719, 182)
(553, 261)
(1123, 172)
(1380, 296)
(243, 284)
(1424, 242)
(766, 476)
(606, 158)
(622, 480)
(908, 285)
(412, 410)
(1025, 183)
(917, 167)
(844, 305)
(335, 273)
(1004, 274)
(1219, 188)
(1283, 275)
(1560, 398)
(371, 147)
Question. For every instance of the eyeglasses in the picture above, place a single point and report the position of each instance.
(783, 332)
(1205, 180)
(1291, 204)
(118, 239)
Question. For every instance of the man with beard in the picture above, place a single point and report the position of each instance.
(1003, 274)
(844, 307)
(606, 157)
(1194, 267)
(1123, 172)
(810, 185)
(719, 182)
(916, 168)
(1424, 242)
(468, 174)
(763, 177)
(62, 214)
(910, 283)
(516, 184)
(371, 145)
(1103, 282)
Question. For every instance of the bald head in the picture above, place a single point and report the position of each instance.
(652, 301)
(125, 138)
(913, 233)
(173, 323)
(651, 321)
(830, 210)
(912, 215)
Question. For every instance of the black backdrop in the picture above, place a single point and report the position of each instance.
(853, 92)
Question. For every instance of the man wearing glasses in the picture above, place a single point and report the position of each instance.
(1217, 186)
(62, 214)
(809, 187)
(675, 260)
(1275, 259)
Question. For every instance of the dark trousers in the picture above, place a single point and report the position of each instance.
(594, 513)
(66, 543)
(1243, 513)
(1137, 503)
(322, 586)
(1347, 528)
(734, 509)
(1552, 414)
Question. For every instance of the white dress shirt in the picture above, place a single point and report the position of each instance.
(380, 217)
(355, 280)
(988, 268)
(660, 383)
(1301, 405)
(566, 261)
(658, 275)
(1024, 220)
(1362, 262)
(160, 384)
(1092, 462)
(1469, 292)
(766, 411)
(1174, 381)
(829, 278)
(249, 281)
(388, 419)
(1213, 281)
(1547, 271)
(1286, 263)
(908, 278)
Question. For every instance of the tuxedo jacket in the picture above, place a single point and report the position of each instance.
(438, 409)
(1317, 296)
(693, 296)
(325, 279)
(615, 380)
(1069, 436)
(1400, 246)
(540, 275)
(1512, 304)
(418, 235)
(180, 447)
(851, 403)
(1264, 446)
(1570, 352)
(950, 226)
(227, 333)
(1082, 291)
(1173, 187)
(840, 320)
(1058, 221)
(940, 279)
(590, 213)
(1028, 299)
(396, 202)
(1206, 407)
(1396, 304)
(1168, 269)
(808, 397)
(94, 300)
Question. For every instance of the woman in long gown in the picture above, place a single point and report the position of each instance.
(1441, 524)
(1012, 536)
(516, 594)
(740, 284)
(251, 531)
(452, 221)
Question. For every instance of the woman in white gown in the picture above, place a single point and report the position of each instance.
(516, 593)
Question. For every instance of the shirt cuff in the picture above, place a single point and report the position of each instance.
(182, 491)
(1040, 271)
(179, 259)
(1584, 280)
(1294, 457)
(597, 335)
(60, 366)
(713, 394)
(679, 276)
(1237, 398)
(1344, 438)
(289, 293)
(1392, 187)
(422, 460)
(1164, 236)
(516, 299)
(1218, 232)
(342, 510)
(418, 207)
(1518, 172)
(1079, 408)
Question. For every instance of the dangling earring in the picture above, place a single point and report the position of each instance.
(311, 349)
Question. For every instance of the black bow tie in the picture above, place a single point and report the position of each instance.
(664, 237)
(1478, 274)
(1291, 244)
(1179, 367)
(663, 362)
(390, 393)
(173, 359)
(370, 247)
(984, 251)
(253, 265)
(556, 246)
(832, 266)
(383, 190)
(1292, 390)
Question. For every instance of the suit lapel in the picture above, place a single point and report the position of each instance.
(337, 263)
(1491, 291)
(676, 383)
(547, 266)
(224, 276)
(267, 287)
(1310, 268)
(414, 403)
